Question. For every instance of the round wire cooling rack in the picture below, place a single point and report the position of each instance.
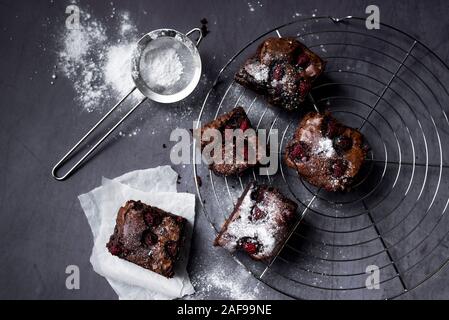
(393, 88)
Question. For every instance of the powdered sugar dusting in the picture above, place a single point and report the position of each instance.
(287, 79)
(162, 69)
(230, 284)
(117, 70)
(264, 230)
(257, 70)
(325, 147)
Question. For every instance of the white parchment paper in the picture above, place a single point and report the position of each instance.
(156, 187)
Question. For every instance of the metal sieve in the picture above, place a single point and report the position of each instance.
(147, 45)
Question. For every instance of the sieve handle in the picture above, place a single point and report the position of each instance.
(71, 151)
(200, 35)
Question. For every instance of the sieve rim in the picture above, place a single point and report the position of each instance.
(141, 84)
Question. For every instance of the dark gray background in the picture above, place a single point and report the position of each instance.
(43, 228)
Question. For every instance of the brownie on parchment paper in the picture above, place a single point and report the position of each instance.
(148, 236)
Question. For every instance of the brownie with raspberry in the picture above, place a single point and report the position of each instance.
(325, 152)
(282, 69)
(227, 124)
(148, 236)
(259, 224)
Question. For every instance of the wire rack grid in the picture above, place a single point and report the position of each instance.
(392, 88)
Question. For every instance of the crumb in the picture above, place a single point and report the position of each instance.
(198, 181)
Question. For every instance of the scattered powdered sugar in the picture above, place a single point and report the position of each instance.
(163, 68)
(286, 79)
(77, 41)
(126, 25)
(325, 147)
(258, 71)
(252, 6)
(77, 64)
(117, 70)
(98, 67)
(130, 134)
(235, 285)
(312, 135)
(234, 289)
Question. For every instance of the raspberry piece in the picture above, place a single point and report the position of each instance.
(248, 244)
(303, 60)
(257, 214)
(152, 218)
(149, 238)
(180, 219)
(115, 249)
(338, 168)
(299, 151)
(244, 125)
(304, 88)
(250, 248)
(278, 72)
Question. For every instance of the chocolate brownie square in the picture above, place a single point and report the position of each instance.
(283, 70)
(225, 124)
(148, 237)
(259, 224)
(325, 152)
